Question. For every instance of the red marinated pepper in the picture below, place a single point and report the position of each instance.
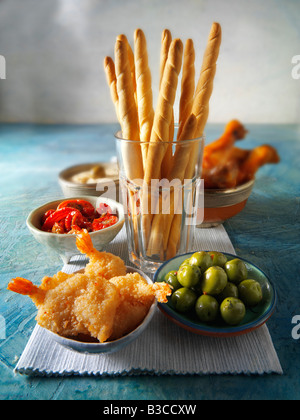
(57, 216)
(71, 216)
(104, 222)
(47, 214)
(85, 207)
(59, 227)
(74, 218)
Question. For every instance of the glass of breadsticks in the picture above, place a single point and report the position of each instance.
(160, 162)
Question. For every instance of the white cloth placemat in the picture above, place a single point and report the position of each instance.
(163, 348)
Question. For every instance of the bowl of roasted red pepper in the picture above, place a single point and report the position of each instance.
(55, 224)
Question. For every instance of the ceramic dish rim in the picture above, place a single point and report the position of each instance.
(234, 190)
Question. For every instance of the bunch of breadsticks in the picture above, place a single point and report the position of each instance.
(153, 157)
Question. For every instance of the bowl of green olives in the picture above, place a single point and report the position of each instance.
(216, 294)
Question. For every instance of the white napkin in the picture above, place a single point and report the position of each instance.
(163, 348)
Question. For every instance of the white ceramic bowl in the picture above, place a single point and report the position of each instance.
(108, 185)
(109, 346)
(65, 244)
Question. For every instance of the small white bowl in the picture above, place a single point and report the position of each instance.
(109, 184)
(109, 346)
(65, 244)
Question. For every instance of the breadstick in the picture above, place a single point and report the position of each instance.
(204, 88)
(177, 171)
(174, 235)
(201, 111)
(166, 40)
(205, 84)
(167, 160)
(128, 113)
(187, 85)
(123, 38)
(161, 224)
(109, 68)
(163, 113)
(160, 129)
(182, 153)
(155, 244)
(144, 90)
(126, 86)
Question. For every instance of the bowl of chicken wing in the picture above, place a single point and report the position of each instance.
(229, 173)
(98, 309)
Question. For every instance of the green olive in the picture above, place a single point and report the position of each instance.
(232, 310)
(230, 290)
(217, 258)
(183, 299)
(197, 289)
(250, 292)
(171, 279)
(189, 275)
(236, 270)
(202, 259)
(214, 280)
(185, 262)
(207, 308)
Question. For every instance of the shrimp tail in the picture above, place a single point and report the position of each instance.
(161, 291)
(22, 286)
(84, 243)
(26, 287)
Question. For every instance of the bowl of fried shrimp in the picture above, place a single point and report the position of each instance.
(63, 241)
(99, 309)
(84, 343)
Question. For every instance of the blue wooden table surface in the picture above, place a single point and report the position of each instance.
(266, 232)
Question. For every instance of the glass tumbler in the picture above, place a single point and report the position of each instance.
(160, 197)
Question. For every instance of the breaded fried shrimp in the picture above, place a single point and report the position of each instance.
(55, 306)
(96, 308)
(136, 297)
(102, 302)
(101, 263)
